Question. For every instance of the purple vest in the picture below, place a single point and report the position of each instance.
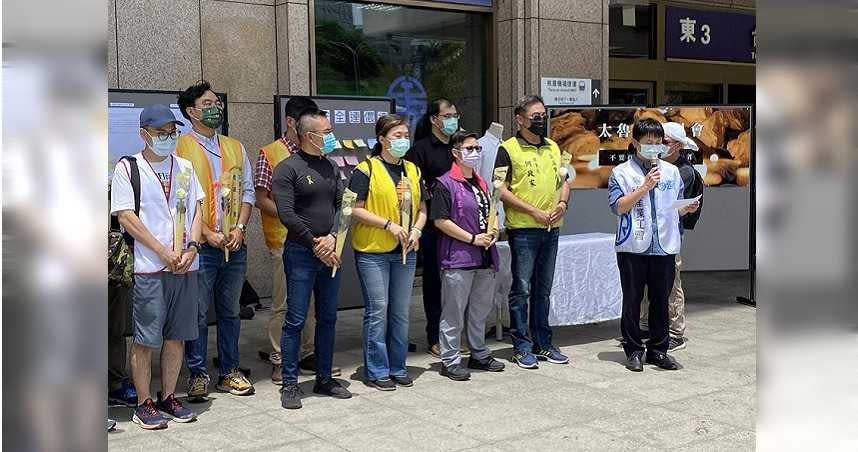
(465, 212)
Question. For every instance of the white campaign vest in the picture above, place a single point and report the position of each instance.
(634, 228)
(157, 216)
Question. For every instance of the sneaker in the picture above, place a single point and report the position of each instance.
(676, 343)
(290, 396)
(634, 362)
(274, 358)
(307, 366)
(148, 417)
(525, 360)
(552, 355)
(435, 350)
(404, 380)
(331, 387)
(385, 384)
(125, 394)
(455, 372)
(198, 388)
(661, 360)
(111, 425)
(174, 409)
(489, 364)
(277, 374)
(235, 383)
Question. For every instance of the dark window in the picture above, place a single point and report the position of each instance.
(741, 94)
(681, 93)
(410, 54)
(632, 31)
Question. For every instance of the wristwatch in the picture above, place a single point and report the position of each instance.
(194, 245)
(242, 227)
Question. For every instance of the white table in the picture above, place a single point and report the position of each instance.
(586, 285)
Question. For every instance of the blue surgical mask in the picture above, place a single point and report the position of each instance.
(329, 142)
(162, 148)
(399, 147)
(451, 125)
(653, 151)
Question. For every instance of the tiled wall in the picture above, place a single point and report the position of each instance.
(250, 49)
(547, 38)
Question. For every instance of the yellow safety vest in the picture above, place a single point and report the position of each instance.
(272, 227)
(231, 155)
(534, 180)
(383, 201)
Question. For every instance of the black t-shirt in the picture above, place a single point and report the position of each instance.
(442, 203)
(307, 191)
(432, 156)
(359, 184)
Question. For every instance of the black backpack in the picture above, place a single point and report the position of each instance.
(120, 245)
(696, 189)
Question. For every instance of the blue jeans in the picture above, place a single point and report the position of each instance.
(222, 282)
(387, 285)
(533, 252)
(305, 275)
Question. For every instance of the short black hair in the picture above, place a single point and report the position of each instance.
(459, 137)
(525, 102)
(312, 113)
(647, 126)
(188, 97)
(297, 104)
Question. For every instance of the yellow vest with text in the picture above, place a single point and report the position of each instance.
(383, 201)
(534, 180)
(231, 155)
(272, 227)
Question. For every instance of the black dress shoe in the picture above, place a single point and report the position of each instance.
(634, 363)
(661, 360)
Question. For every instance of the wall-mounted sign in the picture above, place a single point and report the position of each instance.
(695, 34)
(570, 91)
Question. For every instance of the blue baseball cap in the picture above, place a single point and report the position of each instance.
(157, 116)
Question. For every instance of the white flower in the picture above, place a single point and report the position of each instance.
(181, 193)
(347, 211)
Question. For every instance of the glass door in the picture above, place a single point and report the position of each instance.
(625, 92)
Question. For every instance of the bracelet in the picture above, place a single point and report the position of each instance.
(415, 228)
(387, 225)
(473, 237)
(565, 203)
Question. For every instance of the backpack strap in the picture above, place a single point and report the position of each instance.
(135, 186)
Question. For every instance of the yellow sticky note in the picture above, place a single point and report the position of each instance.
(348, 144)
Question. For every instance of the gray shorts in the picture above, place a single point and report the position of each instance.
(164, 306)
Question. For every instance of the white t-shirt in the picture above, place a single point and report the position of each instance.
(159, 184)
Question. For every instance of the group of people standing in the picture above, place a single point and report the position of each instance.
(424, 195)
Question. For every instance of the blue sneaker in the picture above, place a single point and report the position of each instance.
(525, 360)
(552, 355)
(148, 417)
(174, 409)
(125, 394)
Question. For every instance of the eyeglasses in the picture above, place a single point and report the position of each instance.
(476, 148)
(450, 116)
(164, 136)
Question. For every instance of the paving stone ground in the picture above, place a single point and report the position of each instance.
(592, 404)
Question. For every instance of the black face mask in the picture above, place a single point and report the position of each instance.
(537, 127)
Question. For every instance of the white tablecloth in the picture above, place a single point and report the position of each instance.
(586, 280)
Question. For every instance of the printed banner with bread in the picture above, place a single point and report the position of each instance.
(600, 138)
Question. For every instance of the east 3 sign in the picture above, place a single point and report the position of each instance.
(695, 34)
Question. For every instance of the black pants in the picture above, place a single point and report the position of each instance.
(431, 282)
(117, 311)
(656, 274)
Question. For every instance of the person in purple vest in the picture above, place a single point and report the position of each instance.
(467, 257)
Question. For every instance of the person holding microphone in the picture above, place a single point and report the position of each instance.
(642, 192)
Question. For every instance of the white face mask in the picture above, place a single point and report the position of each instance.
(653, 151)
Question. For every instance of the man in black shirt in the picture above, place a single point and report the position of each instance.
(431, 153)
(307, 191)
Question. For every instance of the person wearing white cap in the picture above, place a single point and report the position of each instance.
(678, 142)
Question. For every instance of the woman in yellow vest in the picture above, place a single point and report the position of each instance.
(384, 182)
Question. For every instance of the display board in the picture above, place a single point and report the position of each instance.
(123, 119)
(353, 121)
(600, 138)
